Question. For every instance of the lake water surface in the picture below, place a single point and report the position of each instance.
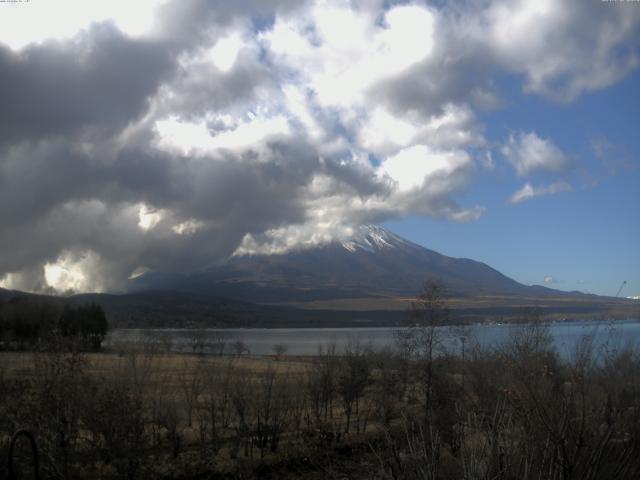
(306, 341)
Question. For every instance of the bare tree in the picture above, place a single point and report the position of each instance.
(279, 350)
(117, 424)
(270, 405)
(216, 407)
(409, 453)
(57, 389)
(166, 342)
(422, 339)
(240, 348)
(242, 398)
(197, 341)
(353, 378)
(218, 343)
(387, 385)
(322, 382)
(191, 381)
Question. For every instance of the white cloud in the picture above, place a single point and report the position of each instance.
(527, 192)
(468, 215)
(563, 48)
(454, 127)
(385, 132)
(148, 217)
(549, 280)
(138, 272)
(188, 227)
(299, 107)
(487, 161)
(283, 239)
(340, 52)
(74, 272)
(30, 22)
(194, 138)
(527, 153)
(412, 166)
(23, 280)
(225, 51)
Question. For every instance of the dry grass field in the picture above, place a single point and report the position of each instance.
(21, 364)
(414, 412)
(490, 307)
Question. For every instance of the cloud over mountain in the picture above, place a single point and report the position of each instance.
(206, 127)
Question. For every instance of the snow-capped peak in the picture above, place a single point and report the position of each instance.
(371, 238)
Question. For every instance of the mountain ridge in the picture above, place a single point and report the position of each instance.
(373, 262)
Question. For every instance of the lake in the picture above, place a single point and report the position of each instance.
(306, 341)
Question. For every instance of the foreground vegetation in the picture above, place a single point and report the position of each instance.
(415, 412)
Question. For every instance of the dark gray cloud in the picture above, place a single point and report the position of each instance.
(99, 80)
(75, 204)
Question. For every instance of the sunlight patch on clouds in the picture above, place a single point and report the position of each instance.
(409, 36)
(225, 51)
(413, 165)
(286, 39)
(138, 272)
(350, 52)
(62, 278)
(280, 240)
(455, 127)
(513, 22)
(8, 281)
(73, 272)
(148, 217)
(383, 129)
(27, 279)
(37, 21)
(188, 227)
(176, 135)
(195, 138)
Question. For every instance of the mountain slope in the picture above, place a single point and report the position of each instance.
(373, 263)
(368, 279)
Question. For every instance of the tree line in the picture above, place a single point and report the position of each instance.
(25, 321)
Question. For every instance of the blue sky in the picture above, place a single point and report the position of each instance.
(169, 135)
(587, 239)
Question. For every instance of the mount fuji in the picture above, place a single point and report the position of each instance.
(373, 263)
